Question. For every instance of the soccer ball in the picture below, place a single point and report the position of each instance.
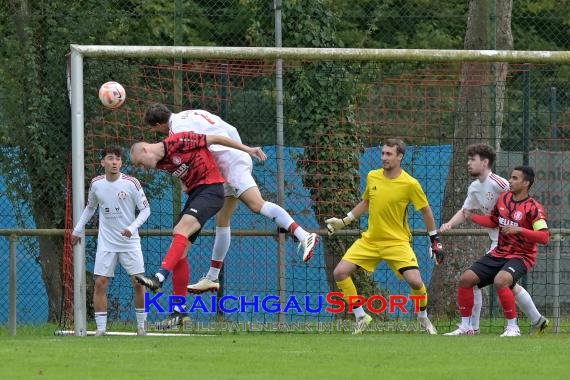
(112, 94)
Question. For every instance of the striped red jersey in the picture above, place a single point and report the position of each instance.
(188, 158)
(523, 213)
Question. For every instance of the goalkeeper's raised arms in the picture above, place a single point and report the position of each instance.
(337, 224)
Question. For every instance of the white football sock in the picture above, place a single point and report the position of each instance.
(524, 302)
(512, 322)
(422, 314)
(101, 321)
(477, 304)
(221, 247)
(141, 317)
(282, 218)
(358, 312)
(466, 322)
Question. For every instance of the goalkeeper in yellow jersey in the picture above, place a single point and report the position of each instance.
(388, 193)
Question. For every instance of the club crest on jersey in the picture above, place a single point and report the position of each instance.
(176, 160)
(517, 215)
(122, 195)
(489, 196)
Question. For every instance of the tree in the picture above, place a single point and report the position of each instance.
(473, 124)
(35, 129)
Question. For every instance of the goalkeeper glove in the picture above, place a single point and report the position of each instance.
(436, 252)
(336, 224)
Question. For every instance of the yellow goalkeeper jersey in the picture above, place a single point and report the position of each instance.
(388, 201)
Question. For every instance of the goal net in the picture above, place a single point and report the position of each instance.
(337, 113)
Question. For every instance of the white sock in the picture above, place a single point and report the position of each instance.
(422, 314)
(282, 218)
(466, 322)
(524, 301)
(476, 312)
(179, 309)
(358, 312)
(141, 317)
(512, 322)
(101, 321)
(221, 247)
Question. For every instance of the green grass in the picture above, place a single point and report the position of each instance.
(286, 356)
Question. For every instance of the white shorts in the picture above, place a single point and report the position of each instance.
(105, 262)
(238, 177)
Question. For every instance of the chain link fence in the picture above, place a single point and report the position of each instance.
(365, 102)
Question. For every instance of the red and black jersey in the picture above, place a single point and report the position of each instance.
(523, 213)
(188, 158)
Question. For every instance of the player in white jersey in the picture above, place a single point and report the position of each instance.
(117, 195)
(236, 167)
(482, 195)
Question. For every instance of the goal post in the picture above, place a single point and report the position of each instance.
(81, 52)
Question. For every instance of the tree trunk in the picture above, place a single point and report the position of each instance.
(50, 259)
(471, 126)
(504, 42)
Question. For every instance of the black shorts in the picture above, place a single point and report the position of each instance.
(487, 267)
(203, 203)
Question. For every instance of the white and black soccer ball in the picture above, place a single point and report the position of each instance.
(112, 94)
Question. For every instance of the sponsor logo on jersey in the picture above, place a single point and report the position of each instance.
(507, 222)
(181, 170)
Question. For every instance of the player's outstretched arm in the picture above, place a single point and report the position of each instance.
(482, 220)
(256, 152)
(455, 220)
(541, 236)
(337, 224)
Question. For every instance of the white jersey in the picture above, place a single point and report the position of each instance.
(206, 123)
(117, 201)
(483, 196)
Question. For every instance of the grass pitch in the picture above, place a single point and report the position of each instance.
(286, 356)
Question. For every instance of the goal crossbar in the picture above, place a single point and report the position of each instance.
(432, 55)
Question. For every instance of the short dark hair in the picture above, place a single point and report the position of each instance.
(528, 173)
(484, 151)
(112, 149)
(157, 113)
(398, 143)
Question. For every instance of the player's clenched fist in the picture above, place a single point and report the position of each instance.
(337, 224)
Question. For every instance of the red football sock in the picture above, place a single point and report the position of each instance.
(508, 302)
(175, 252)
(216, 264)
(465, 300)
(292, 227)
(180, 278)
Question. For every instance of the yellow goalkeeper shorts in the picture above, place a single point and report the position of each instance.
(368, 256)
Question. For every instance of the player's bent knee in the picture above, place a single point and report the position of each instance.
(467, 280)
(340, 274)
(416, 284)
(503, 280)
(101, 283)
